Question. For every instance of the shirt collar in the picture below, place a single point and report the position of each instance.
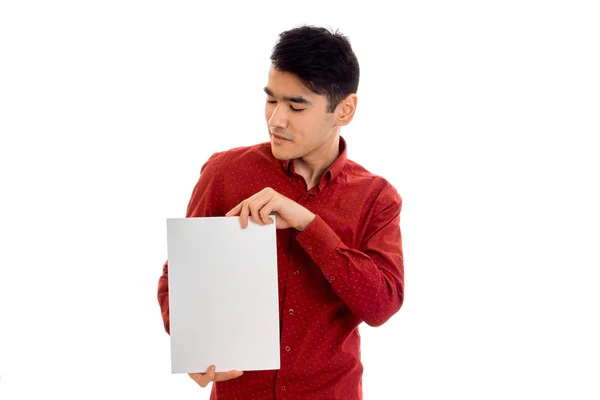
(331, 172)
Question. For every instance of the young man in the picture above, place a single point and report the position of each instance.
(339, 244)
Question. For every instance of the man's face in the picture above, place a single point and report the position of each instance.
(297, 118)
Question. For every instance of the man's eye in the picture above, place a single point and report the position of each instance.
(271, 101)
(297, 109)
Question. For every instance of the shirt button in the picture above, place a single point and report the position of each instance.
(283, 388)
(309, 247)
(291, 311)
(332, 278)
(296, 272)
(287, 348)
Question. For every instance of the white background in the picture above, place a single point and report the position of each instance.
(482, 114)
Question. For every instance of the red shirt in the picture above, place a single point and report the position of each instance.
(346, 267)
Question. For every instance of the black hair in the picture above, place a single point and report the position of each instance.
(322, 59)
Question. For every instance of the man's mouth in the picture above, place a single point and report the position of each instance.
(279, 136)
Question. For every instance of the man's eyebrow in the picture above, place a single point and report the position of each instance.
(293, 99)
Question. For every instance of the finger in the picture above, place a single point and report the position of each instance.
(234, 211)
(225, 376)
(242, 208)
(257, 206)
(204, 379)
(237, 211)
(244, 215)
(195, 376)
(198, 378)
(255, 212)
(265, 212)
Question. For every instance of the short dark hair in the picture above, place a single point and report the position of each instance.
(322, 59)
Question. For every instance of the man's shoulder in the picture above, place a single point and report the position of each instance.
(364, 177)
(361, 173)
(241, 154)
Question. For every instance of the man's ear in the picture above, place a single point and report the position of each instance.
(346, 109)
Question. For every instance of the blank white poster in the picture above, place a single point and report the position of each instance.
(223, 295)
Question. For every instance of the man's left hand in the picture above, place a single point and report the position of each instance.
(258, 207)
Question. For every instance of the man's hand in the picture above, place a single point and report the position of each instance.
(212, 376)
(267, 201)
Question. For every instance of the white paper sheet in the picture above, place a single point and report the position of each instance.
(223, 295)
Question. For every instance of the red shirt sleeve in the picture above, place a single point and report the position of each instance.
(369, 280)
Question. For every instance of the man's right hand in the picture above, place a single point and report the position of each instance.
(203, 379)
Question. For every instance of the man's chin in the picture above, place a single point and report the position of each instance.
(280, 155)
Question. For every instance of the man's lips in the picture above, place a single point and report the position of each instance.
(279, 136)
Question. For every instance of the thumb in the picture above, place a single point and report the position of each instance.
(208, 377)
(210, 373)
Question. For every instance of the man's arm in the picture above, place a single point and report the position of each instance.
(163, 296)
(369, 280)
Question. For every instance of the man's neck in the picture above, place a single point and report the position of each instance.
(312, 166)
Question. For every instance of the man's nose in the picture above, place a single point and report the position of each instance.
(279, 118)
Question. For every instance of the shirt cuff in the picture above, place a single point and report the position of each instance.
(319, 241)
